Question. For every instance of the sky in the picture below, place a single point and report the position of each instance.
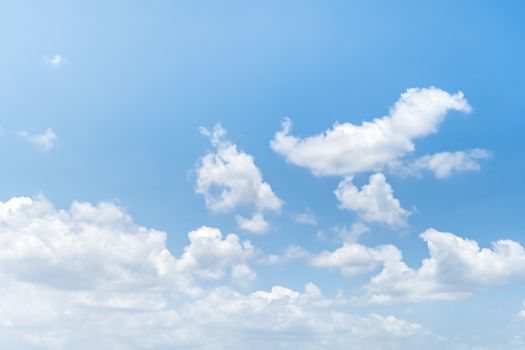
(285, 174)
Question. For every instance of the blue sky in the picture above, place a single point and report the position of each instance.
(114, 105)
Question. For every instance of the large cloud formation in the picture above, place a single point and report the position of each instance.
(89, 277)
(347, 149)
(456, 267)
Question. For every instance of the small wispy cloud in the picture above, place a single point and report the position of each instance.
(54, 60)
(45, 140)
(307, 217)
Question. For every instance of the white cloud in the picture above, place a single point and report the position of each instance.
(348, 149)
(257, 224)
(83, 248)
(243, 275)
(54, 61)
(444, 164)
(45, 140)
(209, 255)
(307, 217)
(285, 318)
(374, 202)
(353, 259)
(456, 268)
(229, 178)
(89, 277)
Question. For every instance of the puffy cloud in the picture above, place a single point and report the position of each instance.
(257, 224)
(54, 61)
(45, 140)
(444, 164)
(374, 202)
(208, 255)
(81, 248)
(456, 267)
(89, 246)
(348, 149)
(89, 277)
(228, 178)
(353, 259)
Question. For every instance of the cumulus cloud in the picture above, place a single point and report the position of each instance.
(45, 140)
(209, 255)
(444, 164)
(257, 224)
(88, 246)
(228, 178)
(347, 149)
(375, 201)
(353, 259)
(89, 277)
(456, 268)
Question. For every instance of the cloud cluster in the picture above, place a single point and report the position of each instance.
(456, 267)
(228, 178)
(375, 146)
(286, 318)
(89, 277)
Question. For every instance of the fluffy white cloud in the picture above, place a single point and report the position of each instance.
(45, 140)
(257, 224)
(209, 255)
(54, 61)
(88, 246)
(444, 164)
(347, 149)
(374, 202)
(353, 259)
(228, 178)
(88, 277)
(456, 267)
